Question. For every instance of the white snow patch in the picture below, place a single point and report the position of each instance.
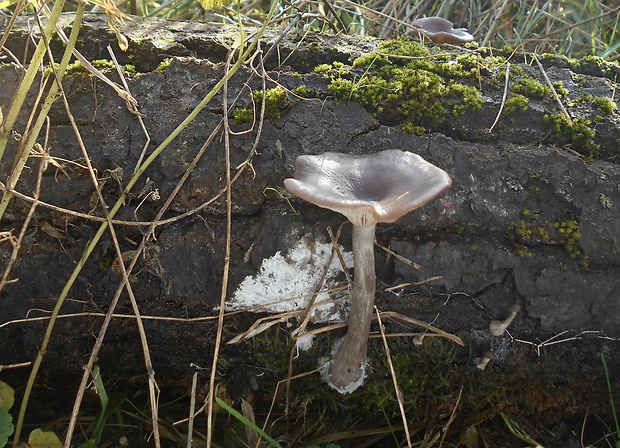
(283, 278)
(304, 343)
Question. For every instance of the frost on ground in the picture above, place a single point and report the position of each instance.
(282, 279)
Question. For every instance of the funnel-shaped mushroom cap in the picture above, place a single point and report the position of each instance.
(441, 31)
(367, 189)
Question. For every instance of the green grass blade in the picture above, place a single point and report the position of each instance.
(239, 416)
(611, 398)
(28, 80)
(103, 397)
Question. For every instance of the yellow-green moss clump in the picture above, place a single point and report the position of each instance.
(569, 232)
(578, 132)
(275, 101)
(532, 88)
(605, 105)
(242, 115)
(163, 65)
(517, 103)
(415, 92)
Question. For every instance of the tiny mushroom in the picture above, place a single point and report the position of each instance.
(497, 327)
(482, 363)
(367, 189)
(441, 31)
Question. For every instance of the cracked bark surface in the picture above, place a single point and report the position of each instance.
(524, 222)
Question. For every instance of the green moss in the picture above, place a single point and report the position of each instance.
(605, 105)
(414, 93)
(275, 100)
(578, 79)
(163, 65)
(472, 45)
(569, 233)
(471, 61)
(543, 231)
(578, 134)
(242, 115)
(530, 87)
(594, 64)
(323, 68)
(522, 251)
(559, 88)
(301, 90)
(76, 69)
(523, 231)
(429, 377)
(370, 60)
(468, 95)
(516, 103)
(605, 201)
(102, 64)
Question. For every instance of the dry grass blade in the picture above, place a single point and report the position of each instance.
(17, 242)
(569, 119)
(285, 381)
(501, 106)
(305, 317)
(226, 267)
(429, 327)
(399, 257)
(153, 388)
(399, 395)
(140, 116)
(452, 417)
(261, 325)
(192, 408)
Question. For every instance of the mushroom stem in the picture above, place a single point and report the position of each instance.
(346, 370)
(497, 327)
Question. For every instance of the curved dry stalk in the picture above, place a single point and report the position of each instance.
(22, 92)
(226, 269)
(153, 389)
(140, 120)
(162, 210)
(22, 234)
(33, 68)
(503, 103)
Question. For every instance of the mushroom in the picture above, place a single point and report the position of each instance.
(497, 327)
(367, 189)
(482, 363)
(441, 31)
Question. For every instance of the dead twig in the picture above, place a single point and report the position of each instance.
(501, 106)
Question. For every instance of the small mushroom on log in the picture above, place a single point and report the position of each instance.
(482, 363)
(441, 31)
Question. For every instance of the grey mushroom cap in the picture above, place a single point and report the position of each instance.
(441, 31)
(367, 189)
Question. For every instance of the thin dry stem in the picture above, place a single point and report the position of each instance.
(153, 389)
(192, 408)
(399, 394)
(225, 274)
(569, 119)
(501, 106)
(17, 243)
(305, 317)
(140, 120)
